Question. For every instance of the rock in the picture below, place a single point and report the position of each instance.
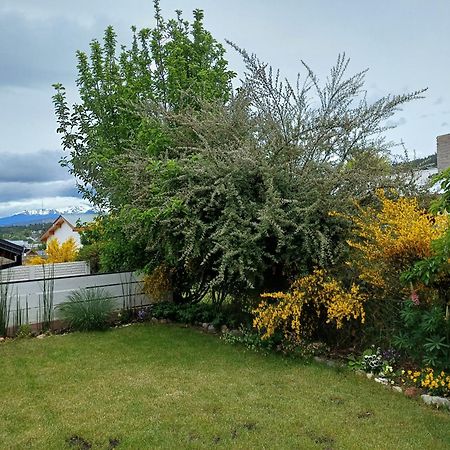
(224, 329)
(381, 380)
(360, 372)
(236, 333)
(211, 328)
(163, 321)
(412, 392)
(2, 339)
(205, 325)
(154, 320)
(397, 389)
(40, 336)
(369, 375)
(440, 402)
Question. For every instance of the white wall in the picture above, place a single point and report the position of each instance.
(65, 232)
(29, 293)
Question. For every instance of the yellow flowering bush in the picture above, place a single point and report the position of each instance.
(435, 382)
(157, 284)
(57, 253)
(296, 313)
(389, 239)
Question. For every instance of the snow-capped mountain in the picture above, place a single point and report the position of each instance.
(33, 216)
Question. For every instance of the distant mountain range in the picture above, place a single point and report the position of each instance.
(41, 215)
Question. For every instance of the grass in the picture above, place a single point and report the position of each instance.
(155, 386)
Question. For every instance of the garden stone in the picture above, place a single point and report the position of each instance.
(2, 339)
(224, 329)
(412, 392)
(163, 321)
(212, 328)
(369, 375)
(397, 389)
(40, 336)
(205, 325)
(435, 400)
(236, 333)
(154, 320)
(381, 380)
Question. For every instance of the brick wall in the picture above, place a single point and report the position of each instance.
(443, 151)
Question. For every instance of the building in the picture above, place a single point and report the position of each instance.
(67, 226)
(443, 152)
(10, 254)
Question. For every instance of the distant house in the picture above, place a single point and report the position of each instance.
(67, 226)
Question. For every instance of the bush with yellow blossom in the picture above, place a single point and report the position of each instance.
(310, 299)
(388, 239)
(57, 253)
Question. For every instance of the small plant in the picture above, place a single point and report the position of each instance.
(87, 309)
(46, 310)
(24, 331)
(376, 361)
(433, 381)
(249, 339)
(5, 303)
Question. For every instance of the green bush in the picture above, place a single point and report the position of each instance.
(425, 334)
(201, 312)
(24, 331)
(87, 309)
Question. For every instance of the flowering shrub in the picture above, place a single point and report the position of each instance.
(389, 239)
(377, 361)
(296, 313)
(435, 382)
(57, 253)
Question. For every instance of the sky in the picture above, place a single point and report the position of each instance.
(405, 44)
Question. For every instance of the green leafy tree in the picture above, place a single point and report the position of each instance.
(176, 64)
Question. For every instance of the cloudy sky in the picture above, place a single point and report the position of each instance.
(404, 43)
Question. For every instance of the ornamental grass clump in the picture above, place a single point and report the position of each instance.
(87, 309)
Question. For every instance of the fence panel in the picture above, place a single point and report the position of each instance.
(58, 270)
(26, 297)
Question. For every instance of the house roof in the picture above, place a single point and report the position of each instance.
(10, 252)
(71, 219)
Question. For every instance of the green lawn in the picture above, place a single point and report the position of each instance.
(156, 386)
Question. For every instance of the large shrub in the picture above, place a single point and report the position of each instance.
(228, 192)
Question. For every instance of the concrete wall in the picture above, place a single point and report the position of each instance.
(443, 151)
(57, 270)
(124, 286)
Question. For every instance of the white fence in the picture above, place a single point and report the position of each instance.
(26, 297)
(57, 270)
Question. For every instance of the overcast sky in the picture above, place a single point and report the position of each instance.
(404, 43)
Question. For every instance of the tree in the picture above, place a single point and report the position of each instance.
(224, 192)
(175, 64)
(241, 201)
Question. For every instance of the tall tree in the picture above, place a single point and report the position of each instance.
(176, 64)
